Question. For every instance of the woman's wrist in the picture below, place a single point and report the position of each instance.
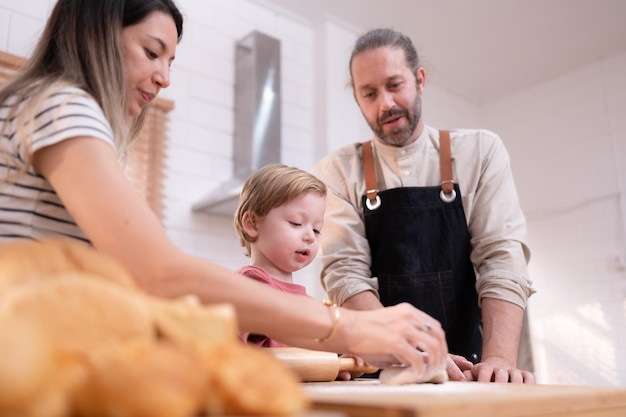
(336, 317)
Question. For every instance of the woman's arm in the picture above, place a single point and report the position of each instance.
(88, 179)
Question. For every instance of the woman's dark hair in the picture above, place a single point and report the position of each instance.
(136, 10)
(81, 46)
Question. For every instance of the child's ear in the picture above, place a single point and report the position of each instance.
(249, 222)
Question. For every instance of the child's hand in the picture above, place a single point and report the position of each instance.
(346, 375)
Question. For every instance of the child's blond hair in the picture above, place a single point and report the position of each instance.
(271, 187)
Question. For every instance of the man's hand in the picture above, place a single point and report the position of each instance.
(496, 369)
(491, 369)
(502, 324)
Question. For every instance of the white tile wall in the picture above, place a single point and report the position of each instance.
(38, 9)
(4, 29)
(343, 122)
(566, 137)
(23, 33)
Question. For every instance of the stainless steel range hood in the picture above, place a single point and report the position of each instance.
(257, 119)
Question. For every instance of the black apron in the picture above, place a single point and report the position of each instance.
(420, 250)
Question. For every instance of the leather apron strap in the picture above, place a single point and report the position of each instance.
(369, 172)
(445, 165)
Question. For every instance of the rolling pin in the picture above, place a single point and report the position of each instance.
(317, 366)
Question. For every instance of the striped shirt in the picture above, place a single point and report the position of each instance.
(29, 206)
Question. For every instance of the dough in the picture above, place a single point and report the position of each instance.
(407, 375)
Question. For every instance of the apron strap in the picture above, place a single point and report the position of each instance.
(445, 165)
(369, 172)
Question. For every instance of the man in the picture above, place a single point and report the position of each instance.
(427, 217)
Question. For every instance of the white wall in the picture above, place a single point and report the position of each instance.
(202, 128)
(567, 140)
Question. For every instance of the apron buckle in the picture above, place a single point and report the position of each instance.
(447, 198)
(372, 204)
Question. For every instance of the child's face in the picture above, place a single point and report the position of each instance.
(288, 236)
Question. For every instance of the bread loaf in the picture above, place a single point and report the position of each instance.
(250, 381)
(36, 380)
(142, 379)
(79, 312)
(192, 326)
(26, 261)
(81, 339)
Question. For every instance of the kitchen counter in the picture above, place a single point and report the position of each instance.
(368, 398)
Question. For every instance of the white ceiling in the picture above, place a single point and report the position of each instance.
(487, 49)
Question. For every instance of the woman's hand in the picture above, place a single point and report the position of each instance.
(459, 368)
(397, 335)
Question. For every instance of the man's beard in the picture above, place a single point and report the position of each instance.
(399, 136)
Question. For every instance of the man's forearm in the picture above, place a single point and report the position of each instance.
(502, 326)
(365, 300)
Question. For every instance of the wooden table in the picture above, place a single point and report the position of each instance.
(368, 398)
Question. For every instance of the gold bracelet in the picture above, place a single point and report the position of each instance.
(336, 316)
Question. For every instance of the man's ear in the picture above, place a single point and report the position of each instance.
(420, 77)
(249, 222)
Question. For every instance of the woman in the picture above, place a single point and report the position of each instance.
(65, 121)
